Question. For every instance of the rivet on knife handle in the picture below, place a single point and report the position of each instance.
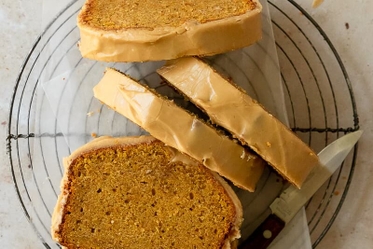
(263, 236)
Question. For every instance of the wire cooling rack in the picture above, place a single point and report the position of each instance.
(318, 94)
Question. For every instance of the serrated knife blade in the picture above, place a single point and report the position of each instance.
(291, 200)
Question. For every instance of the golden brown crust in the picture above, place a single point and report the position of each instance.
(69, 231)
(166, 42)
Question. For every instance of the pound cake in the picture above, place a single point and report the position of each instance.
(147, 30)
(136, 192)
(230, 107)
(178, 128)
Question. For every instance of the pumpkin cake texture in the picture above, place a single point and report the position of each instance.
(136, 192)
(143, 30)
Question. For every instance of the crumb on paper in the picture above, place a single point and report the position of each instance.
(94, 134)
(3, 123)
(336, 192)
(347, 25)
(317, 3)
(89, 114)
(243, 154)
(63, 78)
(250, 157)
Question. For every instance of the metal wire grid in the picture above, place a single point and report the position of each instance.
(319, 96)
(305, 60)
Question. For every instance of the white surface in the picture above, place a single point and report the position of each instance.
(21, 22)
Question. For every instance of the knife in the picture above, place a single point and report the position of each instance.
(291, 200)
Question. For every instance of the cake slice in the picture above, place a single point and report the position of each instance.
(136, 192)
(176, 127)
(230, 107)
(143, 30)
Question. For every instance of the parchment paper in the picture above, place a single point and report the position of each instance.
(68, 80)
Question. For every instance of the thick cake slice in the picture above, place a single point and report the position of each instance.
(230, 107)
(142, 30)
(136, 192)
(179, 129)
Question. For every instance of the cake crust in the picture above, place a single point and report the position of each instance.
(64, 228)
(165, 41)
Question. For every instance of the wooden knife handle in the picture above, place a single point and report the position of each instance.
(262, 237)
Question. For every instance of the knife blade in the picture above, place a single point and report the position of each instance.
(291, 200)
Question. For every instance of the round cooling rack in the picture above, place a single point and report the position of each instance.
(53, 111)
